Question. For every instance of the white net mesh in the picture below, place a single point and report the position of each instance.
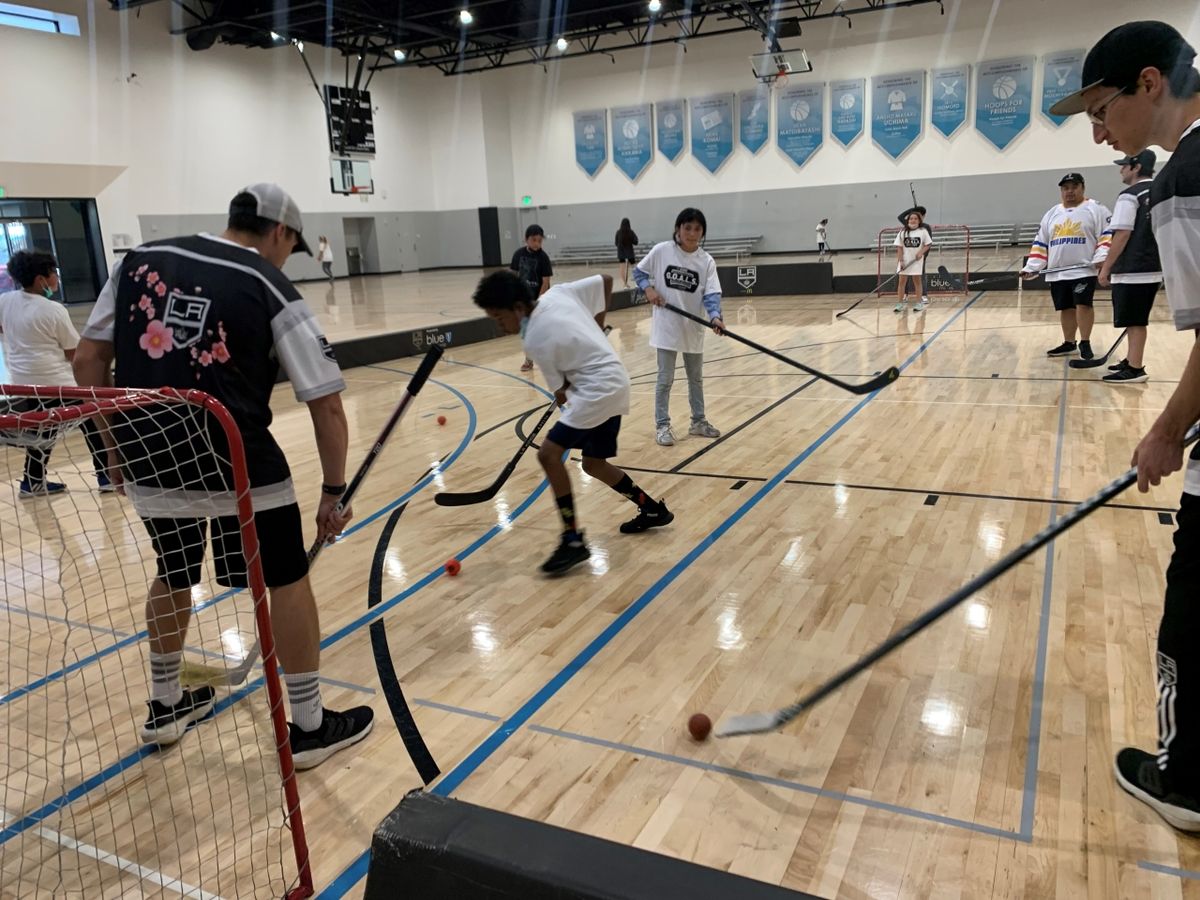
(89, 809)
(951, 249)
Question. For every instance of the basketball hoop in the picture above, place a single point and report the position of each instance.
(780, 79)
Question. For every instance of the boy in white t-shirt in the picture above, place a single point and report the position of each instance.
(913, 243)
(564, 336)
(684, 275)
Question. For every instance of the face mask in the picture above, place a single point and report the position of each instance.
(48, 292)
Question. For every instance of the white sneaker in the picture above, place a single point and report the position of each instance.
(665, 436)
(703, 428)
(899, 307)
(921, 304)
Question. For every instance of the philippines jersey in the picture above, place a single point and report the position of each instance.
(1077, 237)
(205, 313)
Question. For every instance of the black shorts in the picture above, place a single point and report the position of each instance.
(598, 443)
(625, 256)
(1073, 293)
(1132, 303)
(180, 544)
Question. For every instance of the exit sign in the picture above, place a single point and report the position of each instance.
(525, 201)
(2, 192)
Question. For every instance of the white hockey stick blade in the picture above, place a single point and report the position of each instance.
(748, 723)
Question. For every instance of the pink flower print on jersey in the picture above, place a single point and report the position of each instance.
(220, 352)
(161, 288)
(152, 278)
(221, 331)
(205, 358)
(157, 339)
(146, 305)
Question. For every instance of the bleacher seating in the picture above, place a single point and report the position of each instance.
(594, 253)
(992, 236)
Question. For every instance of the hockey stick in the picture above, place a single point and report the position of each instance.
(875, 292)
(468, 498)
(959, 285)
(418, 751)
(195, 674)
(758, 723)
(882, 380)
(1099, 360)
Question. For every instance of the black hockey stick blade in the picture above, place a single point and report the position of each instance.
(757, 723)
(406, 725)
(953, 280)
(469, 498)
(878, 288)
(882, 380)
(1098, 360)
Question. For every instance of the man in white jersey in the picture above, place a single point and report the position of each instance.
(1072, 233)
(1141, 88)
(563, 335)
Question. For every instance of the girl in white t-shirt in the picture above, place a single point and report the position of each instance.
(39, 343)
(684, 275)
(912, 244)
(325, 255)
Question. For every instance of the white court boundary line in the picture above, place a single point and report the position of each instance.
(151, 876)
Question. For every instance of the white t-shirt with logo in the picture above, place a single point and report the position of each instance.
(912, 242)
(36, 332)
(682, 279)
(820, 234)
(567, 345)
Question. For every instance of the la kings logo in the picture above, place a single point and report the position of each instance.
(186, 316)
(682, 279)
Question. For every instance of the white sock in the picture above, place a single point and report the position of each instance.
(164, 677)
(304, 698)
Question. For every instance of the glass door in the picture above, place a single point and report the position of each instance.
(23, 234)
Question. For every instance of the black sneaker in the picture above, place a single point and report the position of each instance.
(648, 517)
(571, 552)
(1127, 375)
(167, 724)
(1138, 772)
(1066, 348)
(1085, 350)
(338, 730)
(1123, 364)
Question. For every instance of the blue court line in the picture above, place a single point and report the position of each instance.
(775, 781)
(452, 780)
(1034, 740)
(80, 790)
(458, 710)
(17, 693)
(1168, 870)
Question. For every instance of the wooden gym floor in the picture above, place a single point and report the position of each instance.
(975, 762)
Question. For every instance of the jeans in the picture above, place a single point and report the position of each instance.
(327, 268)
(693, 365)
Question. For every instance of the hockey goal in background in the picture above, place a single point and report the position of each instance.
(951, 248)
(88, 809)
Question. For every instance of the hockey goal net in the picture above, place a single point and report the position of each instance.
(89, 809)
(951, 249)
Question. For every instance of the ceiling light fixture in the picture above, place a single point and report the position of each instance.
(561, 44)
(465, 17)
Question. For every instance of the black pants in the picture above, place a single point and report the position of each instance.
(37, 457)
(327, 268)
(1178, 663)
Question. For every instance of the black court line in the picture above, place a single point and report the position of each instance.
(970, 495)
(746, 424)
(995, 376)
(510, 419)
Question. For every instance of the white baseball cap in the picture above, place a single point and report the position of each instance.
(274, 203)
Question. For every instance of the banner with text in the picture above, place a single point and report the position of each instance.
(948, 105)
(799, 121)
(591, 140)
(1062, 74)
(1004, 99)
(712, 129)
(670, 116)
(847, 105)
(754, 117)
(897, 104)
(631, 141)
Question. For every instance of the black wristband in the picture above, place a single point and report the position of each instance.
(334, 490)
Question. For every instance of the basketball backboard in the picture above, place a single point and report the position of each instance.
(772, 65)
(350, 176)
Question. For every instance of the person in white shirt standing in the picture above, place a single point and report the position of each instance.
(1132, 266)
(39, 344)
(1072, 233)
(325, 255)
(822, 243)
(913, 243)
(564, 337)
(684, 275)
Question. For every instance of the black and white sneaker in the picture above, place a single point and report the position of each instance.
(1066, 348)
(648, 517)
(1127, 375)
(571, 552)
(1085, 350)
(165, 725)
(1123, 364)
(1138, 772)
(338, 730)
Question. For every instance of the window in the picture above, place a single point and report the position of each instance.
(16, 16)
